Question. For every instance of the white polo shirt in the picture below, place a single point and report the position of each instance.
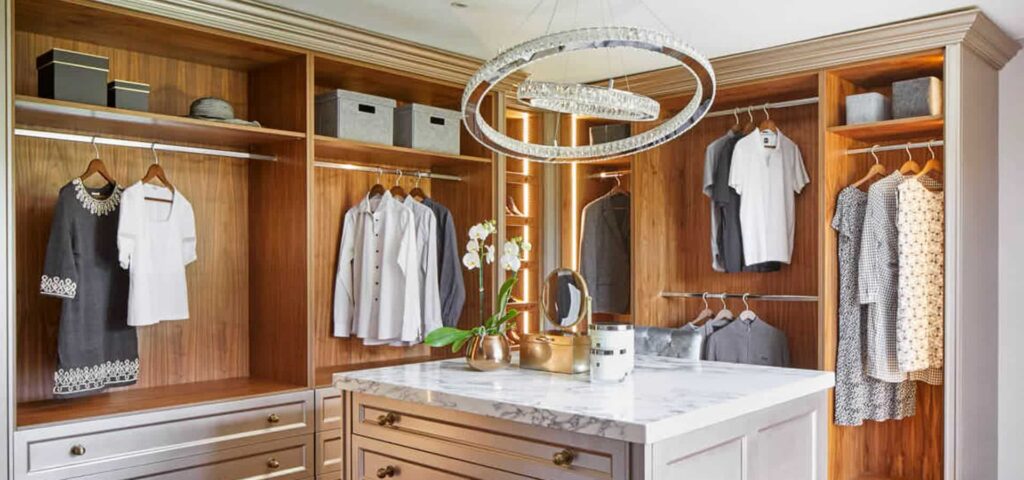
(767, 180)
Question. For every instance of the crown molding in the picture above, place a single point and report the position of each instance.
(297, 29)
(968, 26)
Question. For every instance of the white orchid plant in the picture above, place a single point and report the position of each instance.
(479, 253)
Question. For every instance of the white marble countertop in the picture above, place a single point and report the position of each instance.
(664, 397)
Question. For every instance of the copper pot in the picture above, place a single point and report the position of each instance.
(489, 352)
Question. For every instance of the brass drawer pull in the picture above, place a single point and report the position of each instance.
(563, 458)
(273, 418)
(387, 472)
(388, 420)
(273, 464)
(78, 450)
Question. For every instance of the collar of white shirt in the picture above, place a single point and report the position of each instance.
(383, 203)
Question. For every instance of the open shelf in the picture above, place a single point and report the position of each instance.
(898, 129)
(135, 400)
(336, 149)
(34, 112)
(518, 221)
(518, 178)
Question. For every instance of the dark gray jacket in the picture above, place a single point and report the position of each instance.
(449, 266)
(604, 253)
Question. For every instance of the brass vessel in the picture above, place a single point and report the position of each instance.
(489, 352)
(555, 351)
(565, 301)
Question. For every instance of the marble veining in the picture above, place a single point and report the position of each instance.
(664, 397)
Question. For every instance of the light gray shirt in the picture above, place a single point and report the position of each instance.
(710, 161)
(750, 341)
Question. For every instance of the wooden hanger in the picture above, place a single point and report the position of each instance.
(705, 314)
(749, 127)
(876, 170)
(747, 313)
(397, 190)
(768, 125)
(909, 166)
(157, 172)
(417, 192)
(736, 128)
(377, 189)
(932, 165)
(97, 166)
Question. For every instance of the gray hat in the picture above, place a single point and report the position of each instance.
(216, 109)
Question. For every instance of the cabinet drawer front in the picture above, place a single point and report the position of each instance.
(375, 460)
(101, 445)
(490, 441)
(282, 459)
(329, 448)
(328, 409)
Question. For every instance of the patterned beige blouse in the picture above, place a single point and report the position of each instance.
(919, 314)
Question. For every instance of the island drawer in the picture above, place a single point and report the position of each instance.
(85, 448)
(538, 452)
(374, 459)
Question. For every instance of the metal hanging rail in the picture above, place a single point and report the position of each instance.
(613, 174)
(889, 148)
(70, 137)
(770, 105)
(750, 296)
(365, 168)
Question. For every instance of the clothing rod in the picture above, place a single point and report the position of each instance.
(410, 173)
(889, 148)
(750, 296)
(70, 137)
(773, 105)
(617, 173)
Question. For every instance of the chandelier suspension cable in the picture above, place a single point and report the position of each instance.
(551, 19)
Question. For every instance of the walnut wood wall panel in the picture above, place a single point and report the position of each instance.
(672, 236)
(214, 342)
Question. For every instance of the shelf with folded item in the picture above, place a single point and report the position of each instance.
(890, 130)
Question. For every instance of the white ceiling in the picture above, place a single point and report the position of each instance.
(715, 28)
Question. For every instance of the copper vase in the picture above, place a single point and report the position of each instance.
(489, 352)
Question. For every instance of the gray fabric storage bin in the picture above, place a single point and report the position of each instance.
(355, 116)
(866, 108)
(609, 133)
(427, 128)
(917, 97)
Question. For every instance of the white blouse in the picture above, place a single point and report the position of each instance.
(376, 289)
(155, 240)
(430, 294)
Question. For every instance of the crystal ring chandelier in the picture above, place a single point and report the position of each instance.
(497, 69)
(583, 99)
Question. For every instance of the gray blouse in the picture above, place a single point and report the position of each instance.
(96, 347)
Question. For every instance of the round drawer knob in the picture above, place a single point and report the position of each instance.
(78, 450)
(388, 419)
(563, 458)
(273, 418)
(386, 472)
(273, 463)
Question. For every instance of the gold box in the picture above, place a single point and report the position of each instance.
(555, 351)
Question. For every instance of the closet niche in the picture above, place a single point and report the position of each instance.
(246, 333)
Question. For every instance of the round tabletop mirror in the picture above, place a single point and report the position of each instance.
(565, 298)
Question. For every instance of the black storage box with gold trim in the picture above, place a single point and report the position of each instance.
(130, 95)
(73, 76)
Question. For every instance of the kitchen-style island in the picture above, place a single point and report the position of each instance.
(672, 419)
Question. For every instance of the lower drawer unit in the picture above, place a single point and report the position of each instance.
(284, 459)
(329, 448)
(112, 443)
(537, 452)
(373, 460)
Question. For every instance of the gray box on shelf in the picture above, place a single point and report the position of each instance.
(609, 133)
(917, 97)
(355, 116)
(73, 76)
(130, 95)
(866, 108)
(427, 128)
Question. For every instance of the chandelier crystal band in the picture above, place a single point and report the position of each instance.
(497, 69)
(582, 99)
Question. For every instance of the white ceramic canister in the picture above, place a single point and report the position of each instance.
(613, 336)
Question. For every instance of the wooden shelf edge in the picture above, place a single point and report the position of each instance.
(324, 374)
(35, 112)
(120, 402)
(336, 150)
(898, 128)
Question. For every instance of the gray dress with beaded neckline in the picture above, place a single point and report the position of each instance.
(859, 397)
(95, 346)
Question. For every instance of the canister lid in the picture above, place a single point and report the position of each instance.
(603, 352)
(611, 326)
